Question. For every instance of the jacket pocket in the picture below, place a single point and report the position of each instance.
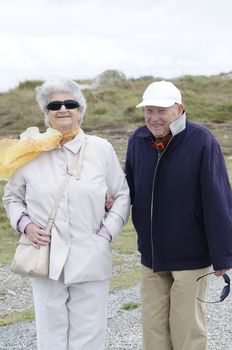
(101, 242)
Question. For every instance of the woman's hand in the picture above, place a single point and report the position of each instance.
(37, 235)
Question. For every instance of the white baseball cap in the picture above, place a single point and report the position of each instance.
(161, 94)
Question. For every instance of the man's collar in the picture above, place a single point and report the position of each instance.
(178, 125)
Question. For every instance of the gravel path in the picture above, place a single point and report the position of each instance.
(124, 330)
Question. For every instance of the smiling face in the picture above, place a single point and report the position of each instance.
(64, 120)
(158, 119)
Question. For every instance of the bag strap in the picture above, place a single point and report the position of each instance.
(75, 171)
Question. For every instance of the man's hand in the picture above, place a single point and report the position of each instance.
(109, 203)
(37, 235)
(220, 272)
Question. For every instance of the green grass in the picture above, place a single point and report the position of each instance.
(13, 317)
(126, 279)
(126, 242)
(130, 306)
(207, 100)
(229, 167)
(8, 237)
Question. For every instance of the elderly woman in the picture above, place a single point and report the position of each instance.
(71, 303)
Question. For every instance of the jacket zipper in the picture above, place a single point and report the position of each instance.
(160, 155)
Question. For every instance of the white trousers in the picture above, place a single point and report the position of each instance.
(70, 317)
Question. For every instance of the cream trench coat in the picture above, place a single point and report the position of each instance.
(75, 246)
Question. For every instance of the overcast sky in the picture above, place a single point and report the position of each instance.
(78, 39)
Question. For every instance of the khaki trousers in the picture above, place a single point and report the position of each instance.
(172, 317)
(70, 317)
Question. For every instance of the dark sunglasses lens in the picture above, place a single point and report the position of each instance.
(71, 104)
(225, 293)
(54, 106)
(226, 278)
(226, 289)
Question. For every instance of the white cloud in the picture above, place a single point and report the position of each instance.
(81, 38)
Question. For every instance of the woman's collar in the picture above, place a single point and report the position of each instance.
(75, 143)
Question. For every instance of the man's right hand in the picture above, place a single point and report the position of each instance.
(109, 203)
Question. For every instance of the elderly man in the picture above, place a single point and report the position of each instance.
(182, 212)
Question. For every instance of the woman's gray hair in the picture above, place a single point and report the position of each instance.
(45, 91)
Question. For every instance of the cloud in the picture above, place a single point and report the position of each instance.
(81, 38)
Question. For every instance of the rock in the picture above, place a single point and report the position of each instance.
(109, 77)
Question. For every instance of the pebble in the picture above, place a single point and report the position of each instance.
(124, 329)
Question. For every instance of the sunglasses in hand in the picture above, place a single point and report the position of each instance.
(225, 291)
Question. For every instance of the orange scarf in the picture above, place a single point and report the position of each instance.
(70, 136)
(14, 153)
(161, 143)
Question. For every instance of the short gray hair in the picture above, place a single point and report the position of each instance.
(45, 91)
